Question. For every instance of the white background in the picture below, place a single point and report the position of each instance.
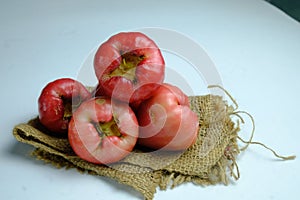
(254, 46)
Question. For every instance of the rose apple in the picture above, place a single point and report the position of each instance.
(103, 131)
(57, 100)
(166, 120)
(129, 66)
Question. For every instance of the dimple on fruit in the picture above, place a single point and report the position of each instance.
(103, 131)
(57, 101)
(129, 66)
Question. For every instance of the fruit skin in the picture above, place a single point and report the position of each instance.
(129, 66)
(103, 131)
(56, 102)
(166, 120)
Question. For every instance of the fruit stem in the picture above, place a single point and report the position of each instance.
(67, 110)
(107, 128)
(128, 66)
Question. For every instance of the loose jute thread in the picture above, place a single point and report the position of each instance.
(237, 113)
(206, 163)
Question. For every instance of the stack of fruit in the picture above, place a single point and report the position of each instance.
(130, 107)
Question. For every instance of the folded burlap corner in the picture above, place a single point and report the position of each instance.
(205, 163)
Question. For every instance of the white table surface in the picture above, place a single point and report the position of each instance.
(254, 46)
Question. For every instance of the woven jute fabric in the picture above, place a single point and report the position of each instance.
(210, 160)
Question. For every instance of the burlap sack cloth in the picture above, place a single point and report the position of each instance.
(209, 161)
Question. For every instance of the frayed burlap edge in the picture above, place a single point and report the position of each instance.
(160, 178)
(61, 159)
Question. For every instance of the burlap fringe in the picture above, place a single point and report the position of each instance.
(237, 113)
(58, 152)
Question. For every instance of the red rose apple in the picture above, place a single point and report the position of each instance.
(57, 100)
(103, 131)
(129, 66)
(166, 120)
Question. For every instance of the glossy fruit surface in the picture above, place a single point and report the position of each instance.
(102, 131)
(57, 101)
(166, 120)
(129, 66)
